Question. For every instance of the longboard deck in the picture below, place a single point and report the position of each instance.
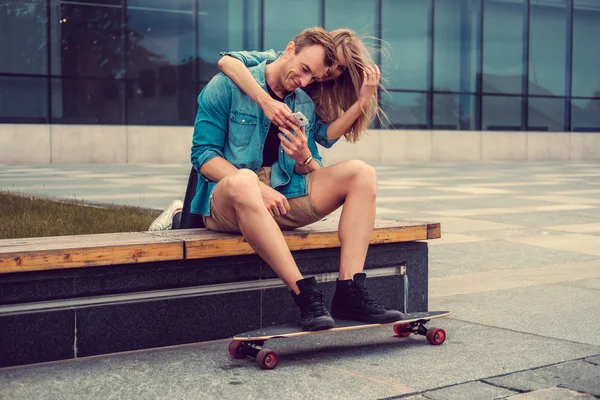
(293, 330)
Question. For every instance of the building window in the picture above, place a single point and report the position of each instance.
(546, 114)
(548, 47)
(405, 26)
(87, 101)
(227, 26)
(456, 45)
(161, 37)
(161, 102)
(586, 50)
(358, 15)
(87, 39)
(285, 19)
(23, 25)
(501, 113)
(504, 46)
(585, 115)
(405, 110)
(23, 99)
(454, 111)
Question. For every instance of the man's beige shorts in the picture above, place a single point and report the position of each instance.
(302, 209)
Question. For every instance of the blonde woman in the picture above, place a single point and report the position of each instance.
(345, 99)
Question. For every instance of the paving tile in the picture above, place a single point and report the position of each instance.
(553, 394)
(577, 243)
(576, 375)
(471, 390)
(495, 255)
(577, 228)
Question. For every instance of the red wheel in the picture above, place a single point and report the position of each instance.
(267, 359)
(235, 347)
(402, 330)
(436, 336)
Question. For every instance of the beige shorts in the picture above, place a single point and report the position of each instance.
(302, 209)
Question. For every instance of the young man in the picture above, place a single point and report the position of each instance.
(257, 179)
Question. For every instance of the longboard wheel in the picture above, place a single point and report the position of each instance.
(235, 347)
(435, 336)
(267, 359)
(403, 330)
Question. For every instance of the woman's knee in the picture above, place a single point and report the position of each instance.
(361, 173)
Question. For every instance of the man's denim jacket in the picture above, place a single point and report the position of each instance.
(231, 125)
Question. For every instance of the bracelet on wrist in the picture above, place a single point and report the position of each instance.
(306, 162)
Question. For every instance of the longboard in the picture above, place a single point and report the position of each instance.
(250, 344)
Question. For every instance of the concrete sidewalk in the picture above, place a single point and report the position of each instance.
(518, 266)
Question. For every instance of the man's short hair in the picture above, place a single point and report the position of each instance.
(317, 36)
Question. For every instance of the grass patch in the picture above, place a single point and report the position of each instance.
(23, 216)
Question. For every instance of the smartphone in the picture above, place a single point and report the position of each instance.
(302, 120)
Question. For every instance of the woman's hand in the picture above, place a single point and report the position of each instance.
(371, 78)
(277, 112)
(295, 146)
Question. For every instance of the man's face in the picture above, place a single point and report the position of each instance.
(302, 68)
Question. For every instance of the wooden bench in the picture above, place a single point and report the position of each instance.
(74, 296)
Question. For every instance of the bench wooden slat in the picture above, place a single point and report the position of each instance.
(323, 234)
(58, 252)
(34, 254)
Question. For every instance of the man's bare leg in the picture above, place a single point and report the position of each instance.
(238, 198)
(354, 185)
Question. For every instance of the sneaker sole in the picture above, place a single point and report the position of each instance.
(367, 319)
(320, 325)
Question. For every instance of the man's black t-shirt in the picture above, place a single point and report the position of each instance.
(271, 148)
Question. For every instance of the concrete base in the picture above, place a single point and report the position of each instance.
(63, 314)
(67, 144)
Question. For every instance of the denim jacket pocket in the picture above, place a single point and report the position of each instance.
(242, 127)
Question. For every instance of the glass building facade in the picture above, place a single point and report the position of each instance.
(447, 64)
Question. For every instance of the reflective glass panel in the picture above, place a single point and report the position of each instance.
(23, 26)
(456, 50)
(23, 99)
(225, 26)
(87, 101)
(503, 46)
(585, 115)
(285, 19)
(151, 102)
(405, 110)
(586, 48)
(501, 113)
(87, 39)
(161, 40)
(358, 15)
(453, 111)
(546, 114)
(548, 47)
(405, 27)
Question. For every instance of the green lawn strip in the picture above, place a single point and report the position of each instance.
(23, 216)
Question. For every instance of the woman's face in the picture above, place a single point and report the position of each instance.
(336, 69)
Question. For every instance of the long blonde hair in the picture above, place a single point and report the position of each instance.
(333, 97)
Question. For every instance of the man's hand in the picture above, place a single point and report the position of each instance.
(276, 203)
(277, 111)
(371, 78)
(295, 145)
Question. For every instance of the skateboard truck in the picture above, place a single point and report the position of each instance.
(266, 358)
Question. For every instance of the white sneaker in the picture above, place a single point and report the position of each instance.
(165, 220)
